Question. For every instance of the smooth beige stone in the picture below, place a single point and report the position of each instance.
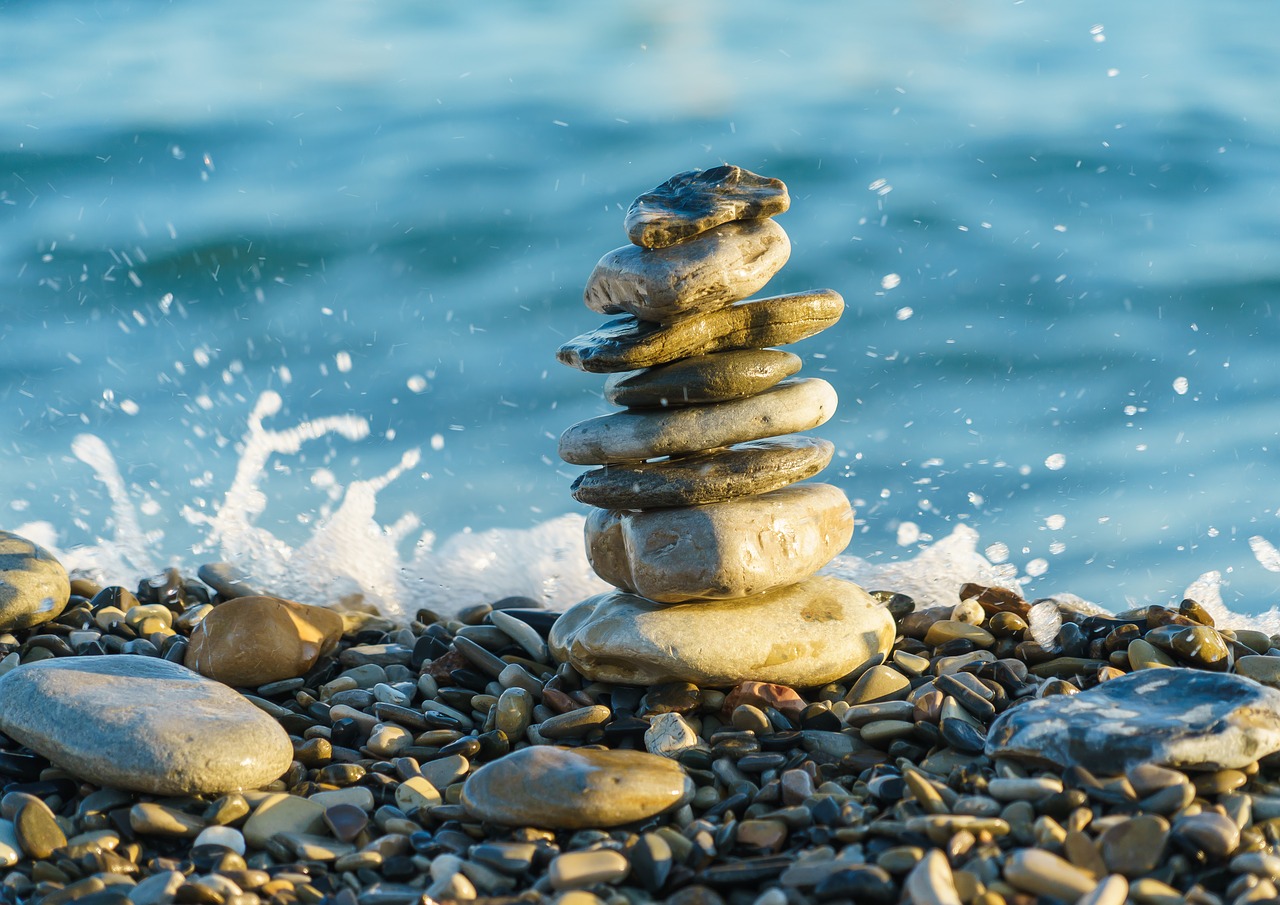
(142, 723)
(566, 788)
(283, 813)
(696, 200)
(1261, 669)
(804, 635)
(251, 641)
(628, 343)
(34, 586)
(722, 265)
(791, 406)
(702, 378)
(732, 549)
(749, 468)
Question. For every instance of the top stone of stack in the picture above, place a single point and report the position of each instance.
(695, 201)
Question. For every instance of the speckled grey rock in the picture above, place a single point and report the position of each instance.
(722, 474)
(722, 265)
(563, 788)
(34, 587)
(1175, 717)
(703, 378)
(142, 723)
(735, 548)
(627, 343)
(803, 635)
(691, 202)
(793, 405)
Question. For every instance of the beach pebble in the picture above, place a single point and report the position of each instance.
(228, 579)
(1210, 832)
(575, 870)
(758, 466)
(669, 735)
(283, 813)
(142, 723)
(931, 882)
(251, 641)
(626, 344)
(721, 550)
(702, 378)
(1173, 717)
(722, 265)
(793, 405)
(694, 201)
(564, 788)
(37, 830)
(34, 586)
(1135, 846)
(803, 635)
(1043, 873)
(1261, 669)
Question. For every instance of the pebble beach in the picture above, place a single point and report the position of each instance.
(424, 762)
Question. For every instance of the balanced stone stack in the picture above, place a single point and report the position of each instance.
(701, 524)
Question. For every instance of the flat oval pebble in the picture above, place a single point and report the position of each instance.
(565, 788)
(142, 723)
(702, 378)
(34, 586)
(251, 641)
(722, 265)
(708, 477)
(1175, 717)
(697, 200)
(791, 406)
(803, 635)
(628, 343)
(734, 548)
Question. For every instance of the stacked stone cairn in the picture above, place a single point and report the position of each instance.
(701, 523)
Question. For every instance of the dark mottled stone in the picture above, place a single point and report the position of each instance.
(702, 378)
(696, 200)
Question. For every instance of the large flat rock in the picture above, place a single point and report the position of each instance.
(628, 436)
(696, 200)
(804, 635)
(1171, 716)
(627, 343)
(142, 723)
(735, 548)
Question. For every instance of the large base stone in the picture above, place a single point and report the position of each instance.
(804, 635)
(735, 548)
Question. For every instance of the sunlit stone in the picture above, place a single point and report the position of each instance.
(703, 378)
(691, 202)
(34, 587)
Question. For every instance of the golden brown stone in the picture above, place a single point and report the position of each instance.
(251, 641)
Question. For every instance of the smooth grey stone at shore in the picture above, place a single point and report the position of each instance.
(721, 550)
(720, 266)
(228, 580)
(34, 586)
(696, 200)
(703, 378)
(628, 343)
(142, 723)
(791, 406)
(1173, 716)
(551, 787)
(708, 477)
(804, 635)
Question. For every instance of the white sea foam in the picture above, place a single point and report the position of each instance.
(400, 567)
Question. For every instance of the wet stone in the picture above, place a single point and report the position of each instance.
(251, 641)
(1173, 717)
(723, 550)
(722, 265)
(37, 830)
(702, 378)
(793, 405)
(692, 202)
(562, 788)
(626, 344)
(1210, 832)
(754, 467)
(34, 586)
(142, 723)
(1134, 847)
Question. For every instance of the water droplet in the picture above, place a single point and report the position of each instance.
(1055, 462)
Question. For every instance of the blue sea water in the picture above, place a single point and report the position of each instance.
(1055, 226)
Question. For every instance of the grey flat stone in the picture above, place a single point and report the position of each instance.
(142, 723)
(722, 265)
(696, 200)
(804, 635)
(735, 548)
(709, 477)
(793, 405)
(562, 788)
(627, 343)
(703, 378)
(34, 587)
(1175, 717)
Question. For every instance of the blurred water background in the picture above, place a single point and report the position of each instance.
(1055, 226)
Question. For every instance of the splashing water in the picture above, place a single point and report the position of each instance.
(351, 556)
